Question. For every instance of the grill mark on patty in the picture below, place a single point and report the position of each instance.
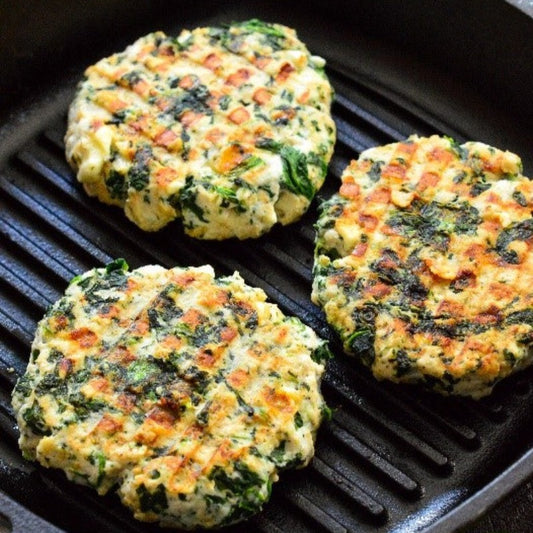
(136, 320)
(138, 323)
(162, 92)
(155, 79)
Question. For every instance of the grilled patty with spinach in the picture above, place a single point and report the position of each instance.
(227, 128)
(424, 263)
(184, 392)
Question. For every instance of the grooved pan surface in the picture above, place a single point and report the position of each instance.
(392, 458)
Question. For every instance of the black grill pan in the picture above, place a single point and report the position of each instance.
(393, 459)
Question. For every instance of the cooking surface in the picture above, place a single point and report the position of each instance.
(393, 458)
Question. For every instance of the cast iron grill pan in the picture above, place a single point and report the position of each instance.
(391, 459)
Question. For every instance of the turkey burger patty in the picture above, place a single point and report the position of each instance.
(187, 392)
(424, 263)
(227, 128)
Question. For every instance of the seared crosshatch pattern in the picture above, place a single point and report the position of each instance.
(391, 457)
(188, 403)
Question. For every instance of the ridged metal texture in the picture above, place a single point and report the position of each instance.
(391, 459)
